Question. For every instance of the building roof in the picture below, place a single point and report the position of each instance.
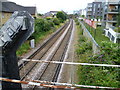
(50, 13)
(54, 11)
(11, 7)
(3, 0)
(31, 10)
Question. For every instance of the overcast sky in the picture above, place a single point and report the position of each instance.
(44, 6)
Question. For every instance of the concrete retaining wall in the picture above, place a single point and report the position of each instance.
(86, 33)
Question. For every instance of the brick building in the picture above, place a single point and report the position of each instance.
(7, 8)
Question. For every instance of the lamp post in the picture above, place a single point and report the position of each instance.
(92, 23)
(94, 33)
(95, 30)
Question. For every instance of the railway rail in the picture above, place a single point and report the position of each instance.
(51, 72)
(28, 66)
(57, 46)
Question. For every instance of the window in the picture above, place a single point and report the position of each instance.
(99, 5)
(113, 38)
(109, 34)
(114, 24)
(118, 40)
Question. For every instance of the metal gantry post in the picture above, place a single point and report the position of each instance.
(10, 70)
(16, 30)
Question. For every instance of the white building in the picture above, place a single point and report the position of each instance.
(112, 0)
(111, 14)
(100, 1)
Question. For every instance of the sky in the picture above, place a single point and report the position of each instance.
(44, 6)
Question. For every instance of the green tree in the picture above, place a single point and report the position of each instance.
(40, 14)
(42, 25)
(62, 16)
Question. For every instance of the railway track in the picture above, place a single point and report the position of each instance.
(55, 35)
(51, 72)
(54, 49)
(26, 67)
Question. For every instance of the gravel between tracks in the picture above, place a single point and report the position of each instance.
(68, 72)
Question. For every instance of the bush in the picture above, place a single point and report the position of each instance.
(77, 22)
(81, 19)
(56, 21)
(101, 76)
(82, 39)
(42, 25)
(111, 52)
(51, 23)
(83, 45)
(48, 18)
(24, 48)
(117, 30)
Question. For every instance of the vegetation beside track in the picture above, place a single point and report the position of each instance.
(98, 76)
(98, 34)
(43, 28)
